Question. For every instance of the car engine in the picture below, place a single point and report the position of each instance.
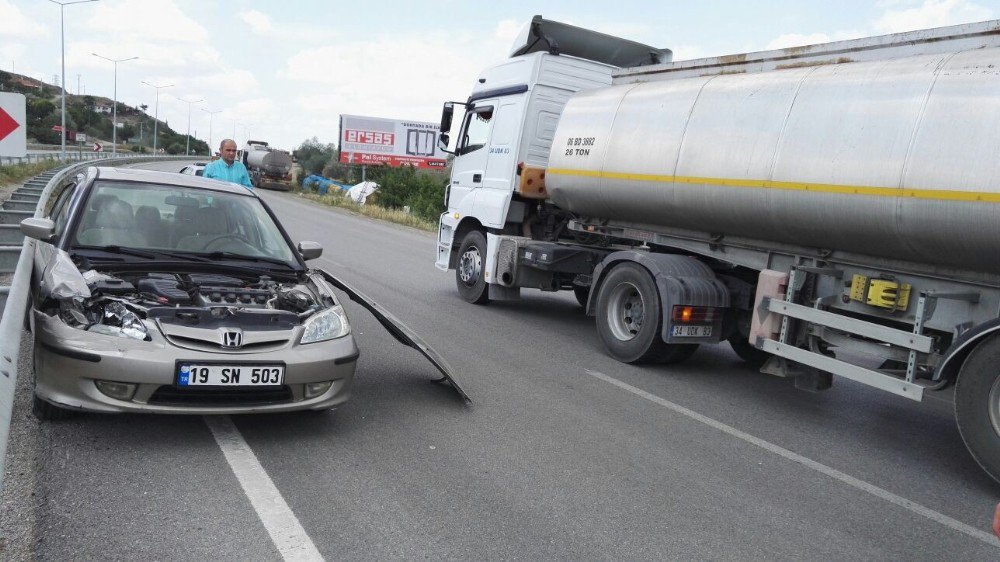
(117, 303)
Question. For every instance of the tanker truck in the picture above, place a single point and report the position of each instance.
(269, 168)
(826, 210)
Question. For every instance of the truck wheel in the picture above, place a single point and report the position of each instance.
(581, 294)
(977, 405)
(469, 272)
(749, 354)
(629, 318)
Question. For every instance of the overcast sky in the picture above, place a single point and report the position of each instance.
(286, 70)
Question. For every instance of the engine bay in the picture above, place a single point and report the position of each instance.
(119, 302)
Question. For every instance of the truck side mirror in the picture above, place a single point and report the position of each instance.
(443, 141)
(446, 115)
(310, 250)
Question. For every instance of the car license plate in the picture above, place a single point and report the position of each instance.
(230, 375)
(691, 331)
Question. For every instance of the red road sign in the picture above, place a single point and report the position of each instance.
(98, 147)
(57, 128)
(7, 124)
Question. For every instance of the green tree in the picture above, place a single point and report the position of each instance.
(313, 155)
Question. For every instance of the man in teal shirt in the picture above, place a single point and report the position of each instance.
(228, 168)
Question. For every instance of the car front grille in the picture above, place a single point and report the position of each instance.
(172, 395)
(214, 347)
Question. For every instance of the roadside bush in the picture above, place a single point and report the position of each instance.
(421, 191)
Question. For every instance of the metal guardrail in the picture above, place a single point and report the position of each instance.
(70, 155)
(14, 299)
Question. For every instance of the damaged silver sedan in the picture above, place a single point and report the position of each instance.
(157, 292)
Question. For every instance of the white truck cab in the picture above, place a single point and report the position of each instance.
(509, 122)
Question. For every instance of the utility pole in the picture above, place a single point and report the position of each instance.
(78, 84)
(156, 112)
(114, 119)
(187, 150)
(62, 43)
(211, 114)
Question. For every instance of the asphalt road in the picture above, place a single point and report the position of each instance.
(564, 452)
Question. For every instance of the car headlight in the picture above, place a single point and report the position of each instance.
(327, 325)
(120, 322)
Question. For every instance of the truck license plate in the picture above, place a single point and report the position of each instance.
(691, 331)
(230, 375)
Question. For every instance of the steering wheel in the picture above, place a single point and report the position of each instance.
(238, 237)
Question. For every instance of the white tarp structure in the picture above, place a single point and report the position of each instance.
(360, 192)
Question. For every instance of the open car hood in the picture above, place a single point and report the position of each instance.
(400, 331)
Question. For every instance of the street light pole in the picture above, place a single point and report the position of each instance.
(114, 118)
(187, 149)
(62, 44)
(156, 112)
(211, 114)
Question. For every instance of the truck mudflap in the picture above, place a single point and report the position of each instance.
(401, 332)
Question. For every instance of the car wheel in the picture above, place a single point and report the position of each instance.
(630, 320)
(471, 266)
(977, 405)
(44, 411)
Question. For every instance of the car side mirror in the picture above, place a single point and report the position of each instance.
(308, 250)
(43, 230)
(443, 141)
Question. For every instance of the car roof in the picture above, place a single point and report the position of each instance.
(170, 178)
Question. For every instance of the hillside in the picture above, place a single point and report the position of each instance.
(92, 115)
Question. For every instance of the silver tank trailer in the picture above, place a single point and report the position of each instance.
(895, 158)
(272, 162)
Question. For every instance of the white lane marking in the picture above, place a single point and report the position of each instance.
(818, 467)
(287, 534)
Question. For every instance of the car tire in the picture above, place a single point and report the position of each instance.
(977, 405)
(470, 268)
(45, 411)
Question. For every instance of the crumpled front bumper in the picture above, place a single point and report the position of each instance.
(68, 361)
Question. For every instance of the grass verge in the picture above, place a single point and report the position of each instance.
(16, 173)
(396, 216)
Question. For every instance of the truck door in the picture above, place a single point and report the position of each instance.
(500, 158)
(472, 151)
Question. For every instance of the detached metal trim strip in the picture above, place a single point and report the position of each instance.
(72, 354)
(934, 194)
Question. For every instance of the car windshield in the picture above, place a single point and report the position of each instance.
(175, 218)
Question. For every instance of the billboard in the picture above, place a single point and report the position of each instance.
(390, 142)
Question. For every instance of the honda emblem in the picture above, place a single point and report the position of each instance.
(232, 339)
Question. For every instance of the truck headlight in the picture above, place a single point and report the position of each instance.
(327, 325)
